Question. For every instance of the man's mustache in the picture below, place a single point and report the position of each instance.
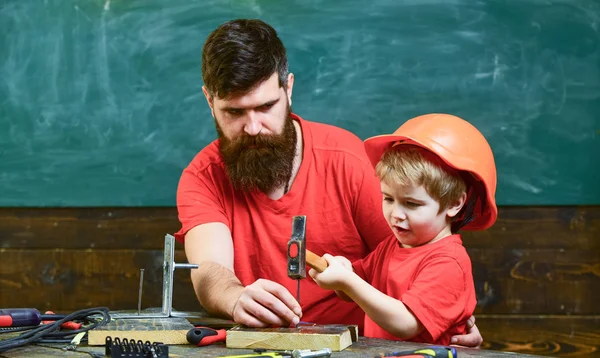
(253, 142)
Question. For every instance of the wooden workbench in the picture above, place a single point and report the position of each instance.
(365, 347)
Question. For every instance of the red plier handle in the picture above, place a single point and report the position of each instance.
(203, 336)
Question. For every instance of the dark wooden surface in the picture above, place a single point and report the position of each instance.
(564, 336)
(365, 347)
(537, 270)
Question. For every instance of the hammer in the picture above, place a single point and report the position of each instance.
(298, 256)
(315, 261)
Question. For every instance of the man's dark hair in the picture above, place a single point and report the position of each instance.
(241, 54)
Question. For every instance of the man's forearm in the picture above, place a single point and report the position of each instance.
(217, 288)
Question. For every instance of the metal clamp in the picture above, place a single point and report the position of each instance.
(169, 266)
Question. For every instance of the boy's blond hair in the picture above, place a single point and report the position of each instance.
(412, 165)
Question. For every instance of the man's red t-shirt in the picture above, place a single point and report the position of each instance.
(336, 188)
(434, 281)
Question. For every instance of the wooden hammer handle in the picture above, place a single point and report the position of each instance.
(315, 261)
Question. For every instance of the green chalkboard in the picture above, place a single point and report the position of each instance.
(101, 102)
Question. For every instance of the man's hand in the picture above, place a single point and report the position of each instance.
(472, 339)
(265, 303)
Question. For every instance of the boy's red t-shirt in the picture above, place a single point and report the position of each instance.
(434, 281)
(336, 188)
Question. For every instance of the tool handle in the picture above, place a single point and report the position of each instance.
(204, 336)
(315, 261)
(427, 352)
(19, 317)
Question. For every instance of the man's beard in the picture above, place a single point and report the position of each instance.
(263, 162)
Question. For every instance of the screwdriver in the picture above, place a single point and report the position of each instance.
(428, 352)
(22, 317)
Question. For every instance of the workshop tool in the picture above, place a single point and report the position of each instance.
(140, 291)
(169, 266)
(298, 256)
(315, 261)
(67, 325)
(23, 317)
(95, 318)
(296, 353)
(167, 326)
(296, 250)
(125, 348)
(256, 355)
(204, 336)
(429, 352)
(75, 342)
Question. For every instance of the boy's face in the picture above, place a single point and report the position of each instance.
(414, 216)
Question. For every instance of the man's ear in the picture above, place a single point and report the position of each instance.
(209, 99)
(455, 207)
(290, 87)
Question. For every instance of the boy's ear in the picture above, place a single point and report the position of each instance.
(455, 208)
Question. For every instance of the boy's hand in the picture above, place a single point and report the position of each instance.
(345, 262)
(334, 276)
(472, 339)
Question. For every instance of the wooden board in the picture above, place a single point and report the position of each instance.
(172, 330)
(335, 337)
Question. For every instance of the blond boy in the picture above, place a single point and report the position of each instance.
(437, 176)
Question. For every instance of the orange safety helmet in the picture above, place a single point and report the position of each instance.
(460, 145)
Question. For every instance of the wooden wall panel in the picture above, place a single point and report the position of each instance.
(75, 278)
(82, 228)
(69, 280)
(144, 228)
(536, 281)
(562, 227)
(536, 270)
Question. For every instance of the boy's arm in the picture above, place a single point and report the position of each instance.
(343, 296)
(389, 313)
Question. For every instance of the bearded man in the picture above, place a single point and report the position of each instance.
(237, 197)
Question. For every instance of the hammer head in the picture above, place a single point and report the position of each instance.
(296, 251)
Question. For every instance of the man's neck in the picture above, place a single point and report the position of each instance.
(279, 192)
